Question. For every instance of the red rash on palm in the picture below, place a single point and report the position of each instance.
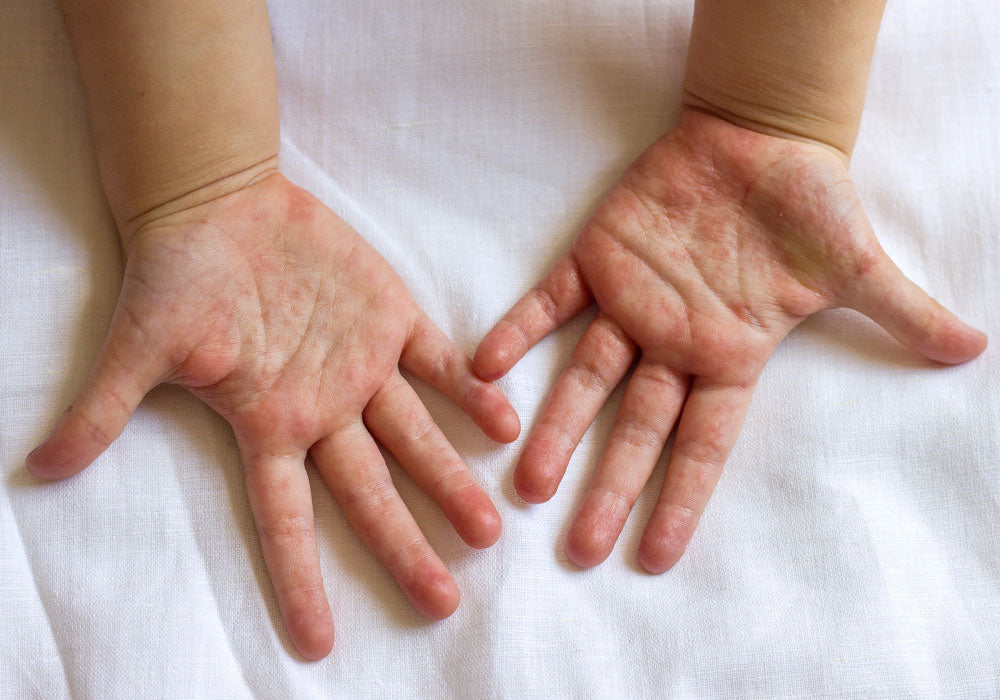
(714, 244)
(269, 308)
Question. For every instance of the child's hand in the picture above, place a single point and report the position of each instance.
(268, 307)
(712, 247)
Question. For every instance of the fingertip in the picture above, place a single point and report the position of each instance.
(955, 343)
(657, 559)
(982, 340)
(920, 322)
(79, 437)
(475, 518)
(508, 425)
(313, 634)
(655, 563)
(531, 488)
(434, 592)
(493, 413)
(970, 343)
(482, 528)
(492, 359)
(500, 350)
(583, 548)
(539, 470)
(35, 465)
(597, 526)
(660, 548)
(49, 462)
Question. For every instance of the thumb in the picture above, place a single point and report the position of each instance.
(916, 320)
(124, 372)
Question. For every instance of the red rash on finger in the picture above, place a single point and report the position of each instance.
(584, 550)
(535, 486)
(431, 589)
(543, 463)
(664, 541)
(596, 528)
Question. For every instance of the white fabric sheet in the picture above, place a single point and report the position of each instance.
(852, 548)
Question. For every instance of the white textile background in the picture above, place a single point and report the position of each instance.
(852, 548)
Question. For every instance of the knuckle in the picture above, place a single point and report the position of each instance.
(614, 498)
(635, 432)
(867, 261)
(93, 428)
(477, 393)
(369, 495)
(706, 453)
(613, 336)
(417, 432)
(409, 555)
(552, 429)
(597, 364)
(659, 378)
(547, 302)
(447, 361)
(453, 479)
(589, 374)
(287, 528)
(514, 324)
(310, 593)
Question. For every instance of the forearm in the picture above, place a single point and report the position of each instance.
(795, 68)
(182, 99)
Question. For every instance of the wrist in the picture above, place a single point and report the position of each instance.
(752, 118)
(182, 98)
(797, 70)
(148, 175)
(202, 194)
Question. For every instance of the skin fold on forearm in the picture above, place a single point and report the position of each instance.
(794, 68)
(182, 97)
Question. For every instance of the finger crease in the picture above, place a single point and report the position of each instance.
(635, 433)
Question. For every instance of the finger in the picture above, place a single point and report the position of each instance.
(557, 298)
(397, 418)
(648, 412)
(278, 490)
(710, 421)
(353, 468)
(431, 355)
(126, 369)
(916, 320)
(600, 360)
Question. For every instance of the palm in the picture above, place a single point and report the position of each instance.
(710, 249)
(273, 311)
(305, 322)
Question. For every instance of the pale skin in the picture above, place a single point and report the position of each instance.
(725, 234)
